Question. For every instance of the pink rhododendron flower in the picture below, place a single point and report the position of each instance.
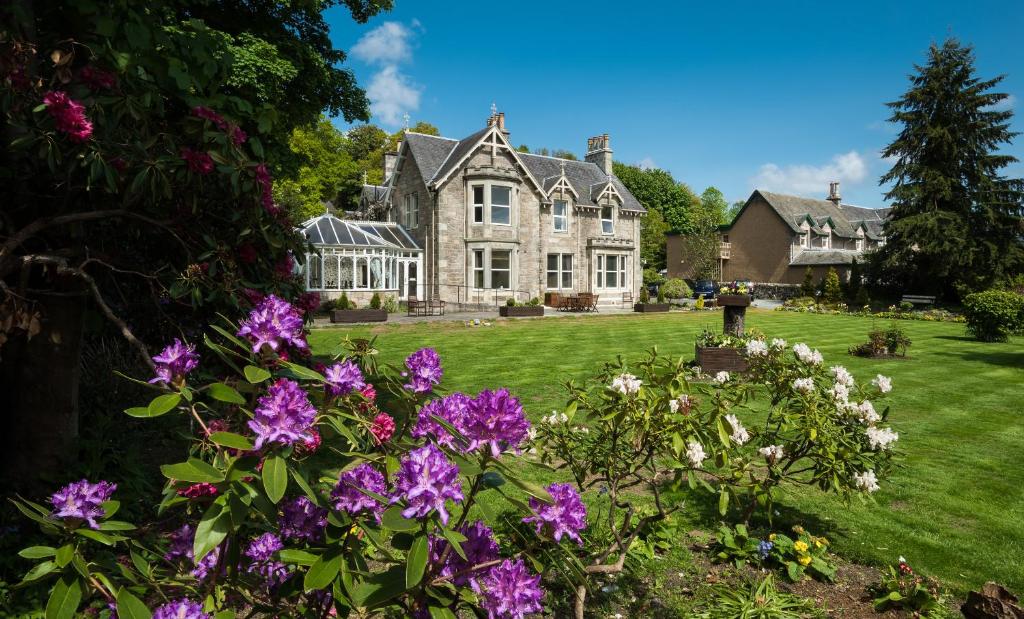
(383, 428)
(97, 79)
(198, 161)
(68, 115)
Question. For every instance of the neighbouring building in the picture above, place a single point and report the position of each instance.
(775, 237)
(493, 222)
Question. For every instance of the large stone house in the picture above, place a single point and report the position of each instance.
(775, 237)
(493, 222)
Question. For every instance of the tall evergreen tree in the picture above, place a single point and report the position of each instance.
(956, 220)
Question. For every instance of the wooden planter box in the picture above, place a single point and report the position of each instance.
(519, 311)
(734, 300)
(651, 307)
(715, 360)
(359, 315)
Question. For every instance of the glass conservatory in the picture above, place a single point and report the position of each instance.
(361, 256)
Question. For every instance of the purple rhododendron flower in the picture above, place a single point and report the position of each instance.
(426, 479)
(175, 362)
(274, 322)
(508, 590)
(181, 543)
(343, 378)
(283, 416)
(424, 370)
(82, 500)
(453, 409)
(207, 564)
(566, 516)
(496, 419)
(348, 498)
(180, 609)
(302, 519)
(261, 551)
(479, 547)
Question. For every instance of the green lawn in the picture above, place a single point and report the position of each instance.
(956, 510)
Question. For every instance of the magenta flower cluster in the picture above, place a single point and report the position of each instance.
(275, 323)
(175, 362)
(479, 547)
(180, 609)
(233, 131)
(566, 516)
(426, 478)
(198, 161)
(492, 420)
(266, 184)
(284, 416)
(509, 590)
(302, 519)
(68, 115)
(424, 370)
(343, 378)
(82, 500)
(452, 408)
(348, 498)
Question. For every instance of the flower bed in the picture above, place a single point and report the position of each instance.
(651, 307)
(932, 315)
(359, 315)
(720, 359)
(520, 311)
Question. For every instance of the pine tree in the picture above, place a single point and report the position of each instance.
(856, 281)
(956, 220)
(830, 290)
(807, 288)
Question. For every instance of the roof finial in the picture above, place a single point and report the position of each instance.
(405, 117)
(494, 108)
(562, 164)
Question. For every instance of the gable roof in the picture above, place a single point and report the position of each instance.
(582, 175)
(843, 219)
(429, 151)
(873, 219)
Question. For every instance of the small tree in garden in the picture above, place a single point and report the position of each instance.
(856, 283)
(807, 288)
(831, 290)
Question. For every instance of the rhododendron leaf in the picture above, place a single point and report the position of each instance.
(441, 613)
(531, 489)
(298, 557)
(255, 374)
(379, 588)
(64, 599)
(275, 478)
(492, 479)
(138, 411)
(211, 531)
(131, 607)
(230, 439)
(225, 614)
(456, 539)
(342, 430)
(110, 507)
(141, 564)
(161, 405)
(40, 570)
(395, 521)
(37, 552)
(402, 541)
(466, 467)
(324, 570)
(32, 514)
(224, 393)
(64, 554)
(723, 501)
(102, 538)
(299, 371)
(192, 470)
(723, 432)
(416, 561)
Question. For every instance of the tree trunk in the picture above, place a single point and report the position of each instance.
(39, 393)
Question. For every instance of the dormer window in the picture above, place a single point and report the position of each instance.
(803, 240)
(501, 205)
(560, 215)
(607, 223)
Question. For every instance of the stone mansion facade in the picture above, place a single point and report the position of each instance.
(495, 223)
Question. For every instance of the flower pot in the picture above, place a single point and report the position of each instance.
(733, 300)
(518, 311)
(720, 359)
(359, 315)
(651, 307)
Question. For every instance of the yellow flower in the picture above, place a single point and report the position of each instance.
(800, 546)
(771, 537)
(798, 529)
(804, 560)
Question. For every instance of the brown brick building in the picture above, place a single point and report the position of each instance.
(775, 237)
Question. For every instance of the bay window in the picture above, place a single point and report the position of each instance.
(611, 271)
(560, 215)
(478, 268)
(501, 205)
(501, 268)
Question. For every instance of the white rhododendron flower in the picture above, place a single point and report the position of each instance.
(682, 402)
(739, 433)
(866, 413)
(695, 454)
(626, 383)
(721, 378)
(532, 433)
(772, 453)
(884, 383)
(757, 348)
(881, 438)
(804, 353)
(555, 418)
(840, 393)
(866, 481)
(803, 385)
(778, 343)
(843, 377)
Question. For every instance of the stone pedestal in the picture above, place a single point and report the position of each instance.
(734, 313)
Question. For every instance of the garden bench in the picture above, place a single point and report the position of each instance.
(918, 299)
(627, 299)
(416, 306)
(435, 307)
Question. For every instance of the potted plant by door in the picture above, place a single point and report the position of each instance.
(511, 309)
(645, 304)
(345, 311)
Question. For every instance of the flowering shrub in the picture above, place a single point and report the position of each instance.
(893, 313)
(799, 555)
(903, 589)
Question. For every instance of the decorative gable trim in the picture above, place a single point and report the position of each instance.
(605, 189)
(494, 139)
(561, 186)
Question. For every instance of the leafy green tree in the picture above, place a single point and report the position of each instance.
(328, 168)
(703, 241)
(856, 282)
(713, 203)
(652, 239)
(657, 190)
(732, 212)
(956, 219)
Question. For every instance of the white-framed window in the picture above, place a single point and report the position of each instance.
(478, 268)
(478, 204)
(411, 211)
(826, 241)
(560, 215)
(607, 223)
(501, 205)
(501, 268)
(611, 271)
(803, 240)
(559, 271)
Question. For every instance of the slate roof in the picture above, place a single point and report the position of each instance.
(825, 256)
(374, 194)
(844, 219)
(329, 230)
(436, 156)
(872, 218)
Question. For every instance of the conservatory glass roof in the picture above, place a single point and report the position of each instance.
(331, 231)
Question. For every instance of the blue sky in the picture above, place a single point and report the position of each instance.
(782, 96)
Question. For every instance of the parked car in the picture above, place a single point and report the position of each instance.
(705, 287)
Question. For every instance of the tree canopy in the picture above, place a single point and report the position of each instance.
(656, 189)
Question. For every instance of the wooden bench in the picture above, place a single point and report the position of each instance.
(627, 299)
(918, 299)
(435, 307)
(415, 306)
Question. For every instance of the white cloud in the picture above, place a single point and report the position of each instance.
(1006, 104)
(647, 163)
(387, 44)
(849, 168)
(392, 95)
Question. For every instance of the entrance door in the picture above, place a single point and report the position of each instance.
(411, 286)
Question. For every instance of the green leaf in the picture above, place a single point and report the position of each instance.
(102, 538)
(441, 613)
(224, 393)
(275, 477)
(37, 552)
(213, 528)
(455, 539)
(64, 599)
(141, 564)
(255, 374)
(131, 607)
(395, 521)
(723, 501)
(323, 571)
(192, 470)
(379, 588)
(116, 525)
(230, 439)
(163, 404)
(416, 562)
(298, 557)
(40, 570)
(531, 489)
(64, 555)
(303, 372)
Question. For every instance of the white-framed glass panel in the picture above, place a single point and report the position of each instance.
(478, 204)
(362, 273)
(567, 271)
(607, 224)
(376, 274)
(553, 271)
(501, 205)
(622, 272)
(560, 215)
(860, 244)
(315, 271)
(411, 216)
(611, 271)
(804, 240)
(501, 268)
(345, 273)
(331, 281)
(559, 272)
(478, 268)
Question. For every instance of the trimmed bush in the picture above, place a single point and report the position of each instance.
(676, 288)
(661, 294)
(375, 301)
(831, 292)
(994, 315)
(645, 296)
(343, 303)
(807, 287)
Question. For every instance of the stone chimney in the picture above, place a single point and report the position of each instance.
(599, 152)
(833, 193)
(501, 123)
(390, 159)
